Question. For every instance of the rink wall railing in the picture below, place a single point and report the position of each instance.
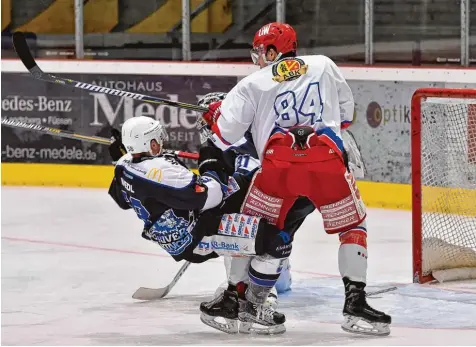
(381, 119)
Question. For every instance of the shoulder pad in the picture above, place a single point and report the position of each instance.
(166, 171)
(125, 158)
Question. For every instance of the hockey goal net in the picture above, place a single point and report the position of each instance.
(444, 184)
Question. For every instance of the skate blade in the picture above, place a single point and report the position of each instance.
(351, 325)
(230, 327)
(249, 328)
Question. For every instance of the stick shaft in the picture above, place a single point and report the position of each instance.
(71, 135)
(24, 53)
(381, 291)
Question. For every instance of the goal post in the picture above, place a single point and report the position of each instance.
(443, 159)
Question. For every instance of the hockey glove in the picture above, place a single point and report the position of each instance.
(213, 113)
(116, 148)
(212, 163)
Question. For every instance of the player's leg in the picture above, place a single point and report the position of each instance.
(294, 219)
(343, 213)
(269, 198)
(263, 273)
(221, 312)
(239, 234)
(226, 301)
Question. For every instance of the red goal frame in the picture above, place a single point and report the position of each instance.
(417, 98)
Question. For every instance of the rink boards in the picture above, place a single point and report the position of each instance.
(375, 194)
(382, 97)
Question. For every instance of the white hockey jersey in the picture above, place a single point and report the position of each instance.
(304, 90)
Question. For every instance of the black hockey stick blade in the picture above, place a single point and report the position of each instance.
(22, 49)
(24, 53)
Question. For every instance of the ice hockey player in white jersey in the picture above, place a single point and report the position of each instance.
(194, 217)
(243, 156)
(296, 107)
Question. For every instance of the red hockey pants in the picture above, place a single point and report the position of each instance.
(317, 173)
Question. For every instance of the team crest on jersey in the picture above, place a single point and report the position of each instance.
(171, 232)
(289, 69)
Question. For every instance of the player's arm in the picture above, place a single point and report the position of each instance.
(232, 117)
(344, 94)
(116, 190)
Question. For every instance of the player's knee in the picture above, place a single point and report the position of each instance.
(353, 253)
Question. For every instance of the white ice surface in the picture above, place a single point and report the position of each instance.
(71, 260)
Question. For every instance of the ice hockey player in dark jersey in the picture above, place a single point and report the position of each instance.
(193, 217)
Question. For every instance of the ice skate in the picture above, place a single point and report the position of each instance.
(269, 321)
(357, 310)
(221, 312)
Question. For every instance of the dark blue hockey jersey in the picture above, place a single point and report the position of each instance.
(167, 197)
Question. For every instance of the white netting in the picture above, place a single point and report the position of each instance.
(448, 173)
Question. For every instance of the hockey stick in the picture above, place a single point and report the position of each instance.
(149, 294)
(24, 53)
(86, 138)
(154, 294)
(381, 291)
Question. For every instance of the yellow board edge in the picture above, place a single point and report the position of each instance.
(54, 175)
(374, 194)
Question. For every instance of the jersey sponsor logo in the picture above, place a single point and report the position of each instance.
(289, 69)
(241, 226)
(238, 224)
(225, 246)
(284, 250)
(228, 225)
(254, 228)
(203, 246)
(232, 187)
(154, 174)
(172, 232)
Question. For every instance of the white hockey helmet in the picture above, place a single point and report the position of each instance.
(138, 132)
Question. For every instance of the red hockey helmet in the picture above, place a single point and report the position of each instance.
(281, 36)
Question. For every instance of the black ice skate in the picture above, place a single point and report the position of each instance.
(271, 321)
(356, 309)
(224, 307)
